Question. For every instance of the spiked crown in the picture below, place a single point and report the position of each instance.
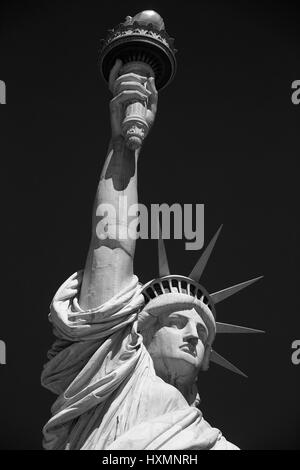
(160, 291)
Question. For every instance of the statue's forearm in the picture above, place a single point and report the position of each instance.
(109, 265)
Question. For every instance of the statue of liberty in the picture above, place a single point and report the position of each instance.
(126, 358)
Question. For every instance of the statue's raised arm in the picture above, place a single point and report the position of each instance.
(109, 265)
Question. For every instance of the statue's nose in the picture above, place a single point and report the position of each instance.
(190, 333)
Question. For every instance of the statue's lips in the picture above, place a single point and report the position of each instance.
(186, 347)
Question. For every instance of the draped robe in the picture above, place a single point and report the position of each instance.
(109, 396)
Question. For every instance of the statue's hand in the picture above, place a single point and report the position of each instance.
(130, 87)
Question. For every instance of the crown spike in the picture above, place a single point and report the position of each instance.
(200, 265)
(221, 361)
(162, 257)
(227, 328)
(223, 294)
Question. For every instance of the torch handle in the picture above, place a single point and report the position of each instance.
(134, 125)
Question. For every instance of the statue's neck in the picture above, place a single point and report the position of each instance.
(189, 391)
(186, 384)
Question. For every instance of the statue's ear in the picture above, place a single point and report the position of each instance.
(206, 358)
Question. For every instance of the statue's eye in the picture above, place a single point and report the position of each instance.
(176, 322)
(202, 334)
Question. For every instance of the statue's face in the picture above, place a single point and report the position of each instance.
(178, 345)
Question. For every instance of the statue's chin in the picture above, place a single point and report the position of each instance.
(189, 361)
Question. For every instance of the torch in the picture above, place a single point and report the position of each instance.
(145, 48)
